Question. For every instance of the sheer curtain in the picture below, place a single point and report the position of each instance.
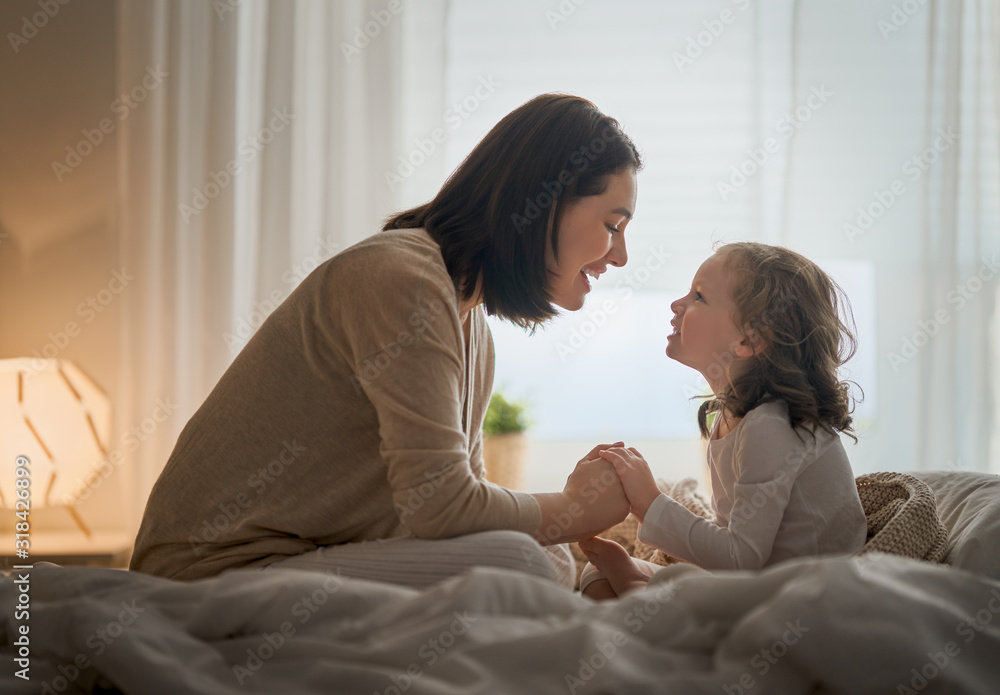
(820, 126)
(960, 240)
(260, 152)
(914, 139)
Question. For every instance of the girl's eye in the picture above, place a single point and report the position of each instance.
(698, 297)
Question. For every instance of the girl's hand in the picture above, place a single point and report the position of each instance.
(596, 494)
(592, 501)
(637, 479)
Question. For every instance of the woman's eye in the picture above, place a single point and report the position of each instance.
(611, 228)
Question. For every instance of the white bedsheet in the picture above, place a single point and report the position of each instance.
(878, 624)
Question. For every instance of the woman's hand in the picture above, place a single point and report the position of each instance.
(595, 489)
(592, 501)
(636, 478)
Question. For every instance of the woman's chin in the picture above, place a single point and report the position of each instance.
(570, 303)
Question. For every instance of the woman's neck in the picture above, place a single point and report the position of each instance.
(467, 305)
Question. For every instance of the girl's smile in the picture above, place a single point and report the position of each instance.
(705, 335)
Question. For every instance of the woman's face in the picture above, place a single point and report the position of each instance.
(591, 237)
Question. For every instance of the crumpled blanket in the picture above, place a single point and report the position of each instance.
(902, 517)
(626, 533)
(872, 624)
(900, 509)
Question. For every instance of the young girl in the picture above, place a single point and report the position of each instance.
(761, 324)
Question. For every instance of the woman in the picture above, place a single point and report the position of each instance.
(354, 414)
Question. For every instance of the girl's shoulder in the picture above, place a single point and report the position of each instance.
(769, 422)
(769, 412)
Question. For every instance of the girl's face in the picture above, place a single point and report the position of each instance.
(591, 237)
(705, 336)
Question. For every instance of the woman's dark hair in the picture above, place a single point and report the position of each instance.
(786, 303)
(497, 212)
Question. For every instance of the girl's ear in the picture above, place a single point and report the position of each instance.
(751, 344)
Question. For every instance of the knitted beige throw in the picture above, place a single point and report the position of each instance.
(900, 509)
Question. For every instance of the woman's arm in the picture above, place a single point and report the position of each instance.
(591, 502)
(393, 319)
(406, 350)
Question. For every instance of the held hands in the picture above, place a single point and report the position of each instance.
(636, 478)
(595, 494)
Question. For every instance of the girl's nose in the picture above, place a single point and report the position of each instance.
(676, 306)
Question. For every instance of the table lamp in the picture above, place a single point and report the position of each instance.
(53, 414)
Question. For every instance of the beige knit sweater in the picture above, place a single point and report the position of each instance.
(353, 414)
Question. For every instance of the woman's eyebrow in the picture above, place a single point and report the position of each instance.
(622, 211)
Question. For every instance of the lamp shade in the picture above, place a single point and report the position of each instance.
(52, 413)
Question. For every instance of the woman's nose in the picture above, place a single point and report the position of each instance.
(618, 255)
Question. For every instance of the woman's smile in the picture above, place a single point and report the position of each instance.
(592, 228)
(588, 273)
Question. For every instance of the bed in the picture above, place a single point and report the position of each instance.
(872, 624)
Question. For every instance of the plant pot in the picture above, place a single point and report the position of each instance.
(504, 459)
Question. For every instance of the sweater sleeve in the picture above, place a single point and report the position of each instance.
(405, 342)
(768, 457)
(476, 455)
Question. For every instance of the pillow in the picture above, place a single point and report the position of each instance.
(969, 507)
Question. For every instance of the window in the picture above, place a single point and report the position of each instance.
(755, 123)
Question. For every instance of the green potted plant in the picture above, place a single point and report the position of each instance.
(504, 442)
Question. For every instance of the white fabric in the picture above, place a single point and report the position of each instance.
(775, 497)
(969, 507)
(591, 574)
(836, 625)
(311, 127)
(418, 563)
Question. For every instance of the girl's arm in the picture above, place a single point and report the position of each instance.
(767, 459)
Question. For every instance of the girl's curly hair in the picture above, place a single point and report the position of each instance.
(792, 307)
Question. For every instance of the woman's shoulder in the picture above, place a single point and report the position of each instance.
(391, 249)
(405, 260)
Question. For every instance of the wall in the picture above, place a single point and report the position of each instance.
(58, 241)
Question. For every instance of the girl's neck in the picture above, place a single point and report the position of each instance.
(727, 423)
(720, 383)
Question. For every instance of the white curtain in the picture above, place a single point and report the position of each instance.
(259, 152)
(850, 98)
(935, 241)
(960, 240)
